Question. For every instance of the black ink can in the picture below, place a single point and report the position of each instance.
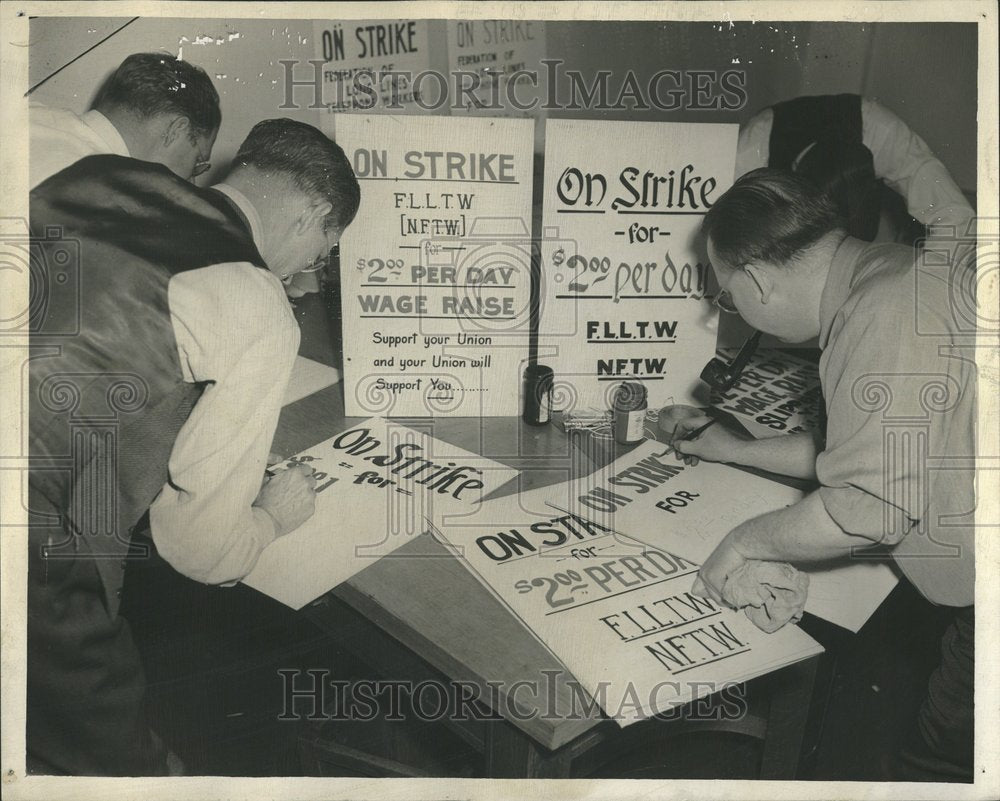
(630, 413)
(537, 394)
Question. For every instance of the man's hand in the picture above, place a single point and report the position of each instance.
(289, 498)
(716, 569)
(716, 444)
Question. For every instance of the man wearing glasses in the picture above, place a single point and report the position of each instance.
(182, 329)
(897, 465)
(154, 107)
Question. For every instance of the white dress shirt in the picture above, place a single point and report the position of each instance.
(234, 329)
(901, 158)
(58, 137)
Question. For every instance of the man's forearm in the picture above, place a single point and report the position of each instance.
(803, 532)
(790, 455)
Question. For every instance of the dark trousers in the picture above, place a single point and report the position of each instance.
(85, 684)
(940, 747)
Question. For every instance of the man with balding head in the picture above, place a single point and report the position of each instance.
(153, 107)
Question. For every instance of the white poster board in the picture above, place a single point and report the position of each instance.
(624, 277)
(378, 485)
(370, 67)
(650, 495)
(498, 64)
(619, 614)
(436, 269)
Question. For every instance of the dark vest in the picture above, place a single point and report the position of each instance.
(801, 121)
(107, 393)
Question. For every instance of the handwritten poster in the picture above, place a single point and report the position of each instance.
(378, 484)
(777, 394)
(619, 614)
(649, 495)
(372, 67)
(624, 277)
(499, 62)
(436, 269)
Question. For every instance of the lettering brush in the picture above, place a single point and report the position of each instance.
(692, 435)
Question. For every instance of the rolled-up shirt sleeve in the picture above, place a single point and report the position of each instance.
(907, 165)
(869, 486)
(235, 332)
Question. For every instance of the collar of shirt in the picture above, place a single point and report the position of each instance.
(107, 132)
(244, 204)
(838, 284)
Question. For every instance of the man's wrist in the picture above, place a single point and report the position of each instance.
(278, 530)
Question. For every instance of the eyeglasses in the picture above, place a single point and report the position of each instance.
(724, 302)
(318, 264)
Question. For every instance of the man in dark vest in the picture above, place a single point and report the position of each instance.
(157, 387)
(850, 145)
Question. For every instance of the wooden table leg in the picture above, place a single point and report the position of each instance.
(512, 754)
(786, 720)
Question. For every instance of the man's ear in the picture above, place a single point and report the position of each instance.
(762, 277)
(177, 127)
(314, 214)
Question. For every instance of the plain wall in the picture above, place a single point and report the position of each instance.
(926, 73)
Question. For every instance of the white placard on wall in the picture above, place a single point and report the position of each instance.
(624, 276)
(498, 63)
(436, 269)
(371, 66)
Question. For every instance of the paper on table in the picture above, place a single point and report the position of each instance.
(777, 394)
(617, 612)
(651, 496)
(378, 483)
(307, 377)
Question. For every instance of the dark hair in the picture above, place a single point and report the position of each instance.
(312, 160)
(769, 215)
(150, 84)
(845, 171)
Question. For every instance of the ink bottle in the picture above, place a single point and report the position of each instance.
(630, 413)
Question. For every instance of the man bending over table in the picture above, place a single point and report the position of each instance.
(898, 380)
(158, 387)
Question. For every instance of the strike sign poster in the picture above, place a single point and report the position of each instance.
(650, 495)
(436, 270)
(369, 66)
(619, 614)
(501, 59)
(624, 274)
(777, 394)
(378, 485)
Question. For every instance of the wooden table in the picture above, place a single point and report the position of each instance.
(438, 619)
